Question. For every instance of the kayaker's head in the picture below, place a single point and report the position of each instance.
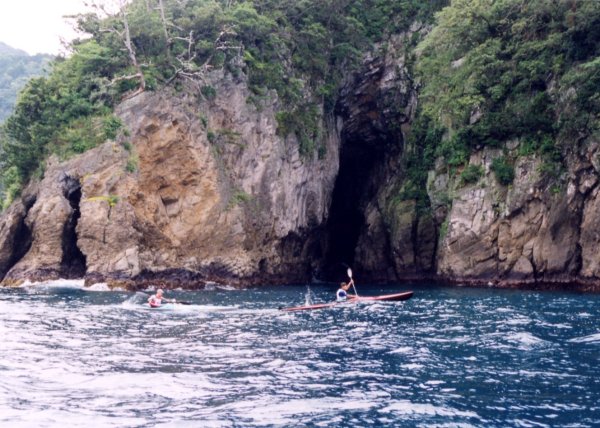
(344, 286)
(159, 293)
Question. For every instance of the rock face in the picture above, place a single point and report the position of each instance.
(533, 233)
(16, 236)
(536, 232)
(204, 190)
(200, 190)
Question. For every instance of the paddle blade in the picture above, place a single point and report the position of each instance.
(349, 271)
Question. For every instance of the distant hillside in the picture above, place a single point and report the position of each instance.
(6, 50)
(16, 68)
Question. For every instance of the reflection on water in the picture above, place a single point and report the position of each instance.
(447, 357)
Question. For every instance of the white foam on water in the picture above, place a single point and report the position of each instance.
(517, 320)
(402, 350)
(135, 301)
(288, 412)
(99, 355)
(525, 340)
(405, 407)
(57, 283)
(100, 286)
(216, 308)
(592, 338)
(551, 325)
(212, 286)
(412, 366)
(460, 339)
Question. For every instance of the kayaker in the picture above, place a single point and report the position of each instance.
(156, 299)
(342, 293)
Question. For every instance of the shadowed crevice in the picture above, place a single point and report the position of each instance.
(73, 264)
(22, 240)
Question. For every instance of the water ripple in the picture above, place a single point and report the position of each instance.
(447, 357)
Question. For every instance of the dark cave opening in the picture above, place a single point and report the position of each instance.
(372, 114)
(22, 241)
(353, 189)
(73, 264)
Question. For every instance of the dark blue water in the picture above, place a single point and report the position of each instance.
(447, 357)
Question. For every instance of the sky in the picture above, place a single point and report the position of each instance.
(36, 26)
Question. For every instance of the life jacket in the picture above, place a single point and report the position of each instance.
(154, 301)
(341, 294)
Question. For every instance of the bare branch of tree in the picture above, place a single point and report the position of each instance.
(163, 18)
(121, 78)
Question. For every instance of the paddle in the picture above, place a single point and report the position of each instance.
(180, 302)
(349, 272)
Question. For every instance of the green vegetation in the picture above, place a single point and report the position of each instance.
(211, 136)
(300, 49)
(504, 170)
(425, 144)
(443, 230)
(490, 71)
(65, 113)
(12, 183)
(208, 91)
(238, 198)
(471, 174)
(500, 70)
(304, 123)
(132, 163)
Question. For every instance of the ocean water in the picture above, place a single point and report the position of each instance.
(448, 357)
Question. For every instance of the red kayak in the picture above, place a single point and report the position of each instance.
(387, 297)
(353, 299)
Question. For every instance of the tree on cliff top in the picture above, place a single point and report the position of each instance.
(300, 48)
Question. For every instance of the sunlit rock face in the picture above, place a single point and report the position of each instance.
(197, 190)
(532, 232)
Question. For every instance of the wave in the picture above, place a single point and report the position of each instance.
(66, 284)
(592, 338)
(57, 283)
(138, 302)
(212, 286)
(525, 340)
(408, 408)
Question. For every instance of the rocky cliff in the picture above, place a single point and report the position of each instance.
(534, 232)
(539, 231)
(203, 189)
(198, 190)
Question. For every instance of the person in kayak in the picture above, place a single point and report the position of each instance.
(342, 293)
(157, 299)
